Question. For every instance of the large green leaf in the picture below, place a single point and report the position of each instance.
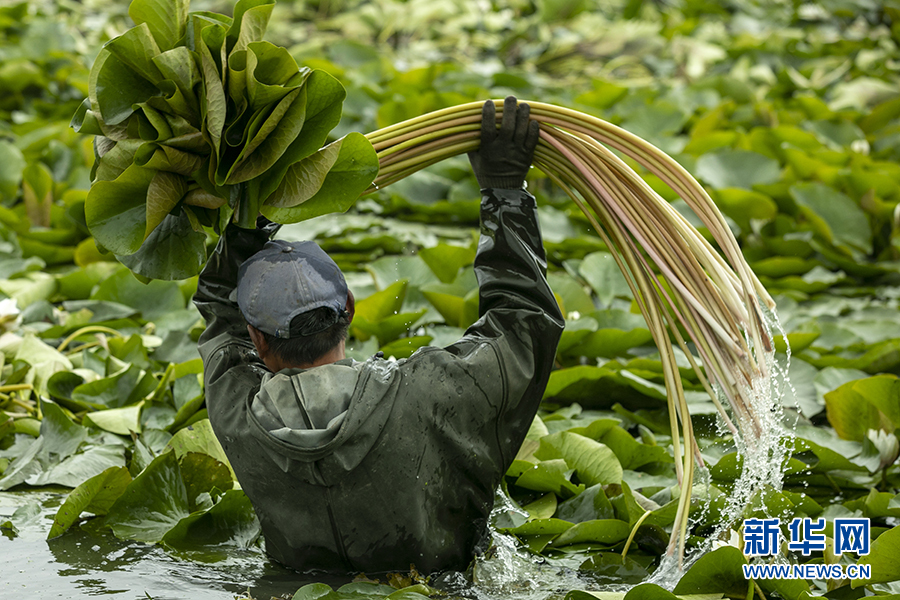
(589, 505)
(546, 476)
(593, 462)
(329, 181)
(324, 96)
(163, 193)
(604, 276)
(883, 559)
(230, 522)
(174, 250)
(446, 260)
(166, 19)
(849, 413)
(617, 332)
(743, 205)
(164, 157)
(202, 473)
(383, 304)
(650, 591)
(838, 217)
(62, 437)
(96, 495)
(718, 571)
(154, 299)
(387, 329)
(213, 110)
(136, 48)
(736, 169)
(116, 211)
(269, 136)
(124, 421)
(603, 531)
(250, 20)
(631, 453)
(152, 504)
(178, 66)
(271, 74)
(78, 468)
(11, 165)
(126, 387)
(545, 526)
(117, 88)
(883, 392)
(198, 437)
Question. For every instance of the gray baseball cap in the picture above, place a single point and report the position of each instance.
(286, 279)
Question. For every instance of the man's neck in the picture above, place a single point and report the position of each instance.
(335, 355)
(275, 364)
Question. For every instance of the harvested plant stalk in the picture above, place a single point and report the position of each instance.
(675, 274)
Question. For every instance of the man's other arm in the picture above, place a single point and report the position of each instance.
(519, 315)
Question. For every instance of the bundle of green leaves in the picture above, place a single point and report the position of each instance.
(203, 123)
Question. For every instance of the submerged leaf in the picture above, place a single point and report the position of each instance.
(230, 522)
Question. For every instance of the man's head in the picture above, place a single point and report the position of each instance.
(296, 303)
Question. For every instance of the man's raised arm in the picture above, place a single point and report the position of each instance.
(214, 297)
(518, 312)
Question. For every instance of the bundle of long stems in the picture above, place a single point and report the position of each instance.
(677, 277)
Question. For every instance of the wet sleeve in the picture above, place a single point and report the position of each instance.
(225, 326)
(520, 319)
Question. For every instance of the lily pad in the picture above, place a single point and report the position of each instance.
(96, 495)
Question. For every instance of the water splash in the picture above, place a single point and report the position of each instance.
(762, 458)
(507, 569)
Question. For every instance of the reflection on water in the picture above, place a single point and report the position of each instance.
(89, 562)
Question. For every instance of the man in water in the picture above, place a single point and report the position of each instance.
(373, 466)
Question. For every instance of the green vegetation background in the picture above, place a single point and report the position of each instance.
(789, 113)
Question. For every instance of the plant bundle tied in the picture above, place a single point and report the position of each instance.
(207, 123)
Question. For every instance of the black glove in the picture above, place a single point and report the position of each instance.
(505, 154)
(264, 224)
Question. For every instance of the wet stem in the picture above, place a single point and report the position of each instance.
(714, 297)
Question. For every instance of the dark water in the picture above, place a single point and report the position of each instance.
(89, 563)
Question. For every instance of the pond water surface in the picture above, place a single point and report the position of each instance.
(89, 562)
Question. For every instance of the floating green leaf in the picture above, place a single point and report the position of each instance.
(717, 571)
(836, 216)
(96, 495)
(883, 559)
(152, 504)
(593, 462)
(736, 169)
